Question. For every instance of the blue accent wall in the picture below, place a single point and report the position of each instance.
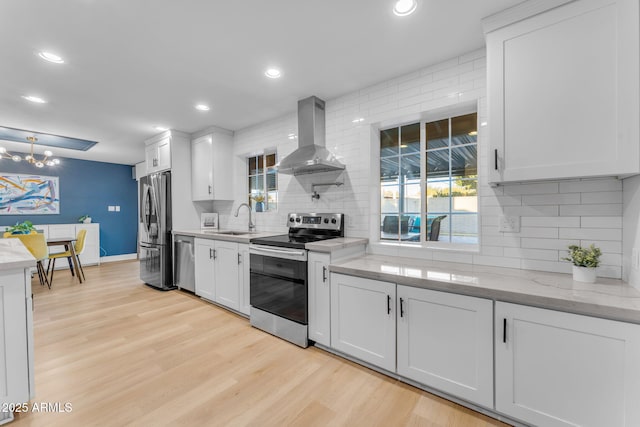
(88, 187)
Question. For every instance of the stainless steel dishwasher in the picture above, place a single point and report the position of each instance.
(184, 268)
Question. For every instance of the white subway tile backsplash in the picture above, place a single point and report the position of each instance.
(553, 214)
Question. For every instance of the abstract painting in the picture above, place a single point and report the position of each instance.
(22, 194)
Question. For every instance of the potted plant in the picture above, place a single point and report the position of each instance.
(25, 227)
(585, 261)
(259, 199)
(85, 219)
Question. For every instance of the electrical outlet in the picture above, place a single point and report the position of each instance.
(117, 208)
(111, 208)
(509, 224)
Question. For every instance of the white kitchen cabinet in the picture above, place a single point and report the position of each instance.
(561, 369)
(158, 154)
(319, 298)
(211, 167)
(563, 90)
(16, 337)
(445, 341)
(227, 273)
(363, 322)
(244, 278)
(204, 268)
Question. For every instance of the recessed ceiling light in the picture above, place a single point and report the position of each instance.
(35, 99)
(273, 73)
(358, 120)
(405, 7)
(202, 107)
(483, 124)
(161, 128)
(51, 57)
(292, 136)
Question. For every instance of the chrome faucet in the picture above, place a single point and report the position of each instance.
(252, 226)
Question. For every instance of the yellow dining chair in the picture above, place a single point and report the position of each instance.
(78, 247)
(37, 245)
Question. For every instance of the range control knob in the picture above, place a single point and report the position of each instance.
(297, 219)
(333, 221)
(326, 220)
(291, 219)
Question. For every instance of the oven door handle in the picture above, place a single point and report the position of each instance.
(259, 250)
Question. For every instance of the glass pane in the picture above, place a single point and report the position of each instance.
(438, 163)
(256, 184)
(253, 163)
(271, 160)
(464, 160)
(260, 164)
(464, 229)
(389, 227)
(437, 134)
(410, 166)
(435, 224)
(272, 181)
(410, 138)
(411, 198)
(389, 196)
(464, 129)
(437, 197)
(389, 142)
(389, 169)
(272, 200)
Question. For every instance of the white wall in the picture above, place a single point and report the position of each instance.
(553, 214)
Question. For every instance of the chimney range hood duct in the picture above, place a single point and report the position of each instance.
(311, 156)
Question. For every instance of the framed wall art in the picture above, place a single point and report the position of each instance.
(27, 194)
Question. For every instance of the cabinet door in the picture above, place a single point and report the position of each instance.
(244, 276)
(202, 168)
(363, 321)
(445, 341)
(14, 375)
(164, 154)
(319, 298)
(561, 369)
(563, 93)
(151, 158)
(222, 166)
(91, 253)
(227, 287)
(205, 268)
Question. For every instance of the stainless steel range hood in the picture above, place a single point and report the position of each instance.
(311, 155)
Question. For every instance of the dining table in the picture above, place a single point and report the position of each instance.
(68, 243)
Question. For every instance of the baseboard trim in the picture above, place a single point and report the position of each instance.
(114, 258)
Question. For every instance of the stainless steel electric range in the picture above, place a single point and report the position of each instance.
(278, 283)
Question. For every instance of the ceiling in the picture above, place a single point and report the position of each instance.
(134, 64)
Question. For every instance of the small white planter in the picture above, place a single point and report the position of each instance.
(584, 274)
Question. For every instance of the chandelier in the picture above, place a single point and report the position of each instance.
(30, 158)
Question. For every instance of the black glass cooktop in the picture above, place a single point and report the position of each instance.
(290, 241)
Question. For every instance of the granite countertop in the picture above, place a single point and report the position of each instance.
(13, 255)
(331, 245)
(219, 234)
(608, 298)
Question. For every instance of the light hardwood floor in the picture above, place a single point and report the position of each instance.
(122, 353)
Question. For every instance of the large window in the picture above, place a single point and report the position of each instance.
(263, 182)
(437, 159)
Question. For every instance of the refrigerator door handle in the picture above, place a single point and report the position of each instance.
(155, 187)
(146, 210)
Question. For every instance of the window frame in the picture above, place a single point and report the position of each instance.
(440, 114)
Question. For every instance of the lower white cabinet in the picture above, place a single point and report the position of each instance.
(222, 273)
(16, 337)
(445, 341)
(319, 298)
(561, 369)
(204, 268)
(363, 322)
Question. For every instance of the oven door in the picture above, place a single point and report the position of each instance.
(278, 283)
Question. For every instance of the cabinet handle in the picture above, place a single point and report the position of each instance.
(210, 189)
(401, 308)
(388, 304)
(239, 259)
(215, 255)
(210, 253)
(324, 273)
(504, 330)
(495, 159)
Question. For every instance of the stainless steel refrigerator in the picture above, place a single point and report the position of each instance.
(155, 230)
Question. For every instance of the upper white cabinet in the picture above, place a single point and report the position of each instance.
(561, 369)
(446, 342)
(563, 90)
(158, 154)
(211, 166)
